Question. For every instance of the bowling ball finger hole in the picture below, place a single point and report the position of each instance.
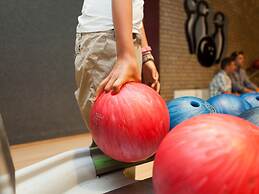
(257, 98)
(195, 104)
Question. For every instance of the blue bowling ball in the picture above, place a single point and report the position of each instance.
(252, 99)
(183, 108)
(229, 104)
(251, 115)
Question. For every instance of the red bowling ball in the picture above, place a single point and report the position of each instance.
(209, 154)
(130, 125)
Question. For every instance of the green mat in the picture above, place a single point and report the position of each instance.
(104, 164)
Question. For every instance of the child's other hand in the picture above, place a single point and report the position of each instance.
(125, 70)
(150, 75)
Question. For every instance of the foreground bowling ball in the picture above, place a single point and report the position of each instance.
(209, 154)
(251, 115)
(130, 125)
(229, 104)
(252, 99)
(207, 51)
(183, 108)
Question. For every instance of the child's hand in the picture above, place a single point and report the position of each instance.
(125, 70)
(150, 75)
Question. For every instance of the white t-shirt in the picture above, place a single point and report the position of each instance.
(97, 16)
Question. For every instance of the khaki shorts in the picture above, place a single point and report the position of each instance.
(95, 57)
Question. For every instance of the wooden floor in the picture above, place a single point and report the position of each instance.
(27, 154)
(30, 153)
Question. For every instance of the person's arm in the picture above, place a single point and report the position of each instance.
(227, 92)
(149, 71)
(236, 86)
(126, 67)
(248, 83)
(122, 20)
(144, 41)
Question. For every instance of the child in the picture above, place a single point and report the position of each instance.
(221, 83)
(111, 50)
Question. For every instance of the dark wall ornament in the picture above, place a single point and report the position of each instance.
(206, 52)
(219, 34)
(190, 7)
(200, 27)
(209, 47)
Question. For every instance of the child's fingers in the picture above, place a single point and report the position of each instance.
(155, 75)
(153, 85)
(110, 83)
(158, 87)
(117, 86)
(101, 86)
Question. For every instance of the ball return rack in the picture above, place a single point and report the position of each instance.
(79, 171)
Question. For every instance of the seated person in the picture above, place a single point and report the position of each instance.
(240, 81)
(221, 82)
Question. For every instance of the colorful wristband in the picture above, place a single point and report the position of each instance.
(147, 57)
(146, 49)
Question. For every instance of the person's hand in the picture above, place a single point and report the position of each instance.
(150, 75)
(247, 90)
(125, 70)
(228, 92)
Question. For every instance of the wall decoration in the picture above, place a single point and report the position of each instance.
(190, 9)
(208, 47)
(219, 35)
(206, 51)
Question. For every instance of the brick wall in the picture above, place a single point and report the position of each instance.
(243, 26)
(179, 69)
